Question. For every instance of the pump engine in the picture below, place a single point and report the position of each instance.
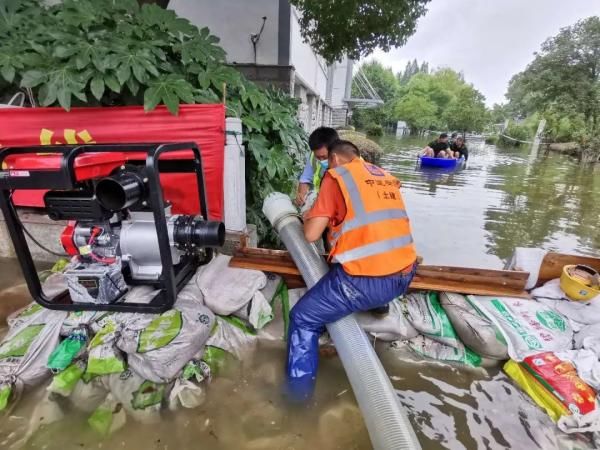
(120, 231)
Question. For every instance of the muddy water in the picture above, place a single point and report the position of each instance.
(472, 217)
(505, 198)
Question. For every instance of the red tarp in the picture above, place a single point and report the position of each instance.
(203, 124)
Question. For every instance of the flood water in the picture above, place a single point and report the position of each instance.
(503, 199)
(473, 217)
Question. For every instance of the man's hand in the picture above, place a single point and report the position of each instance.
(301, 194)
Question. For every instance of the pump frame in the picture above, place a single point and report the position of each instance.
(172, 278)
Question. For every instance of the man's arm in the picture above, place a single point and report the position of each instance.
(314, 228)
(305, 183)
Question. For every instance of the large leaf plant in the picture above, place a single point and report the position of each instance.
(114, 52)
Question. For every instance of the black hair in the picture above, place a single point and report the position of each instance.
(454, 135)
(322, 137)
(443, 135)
(345, 148)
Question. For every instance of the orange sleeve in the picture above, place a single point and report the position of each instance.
(330, 202)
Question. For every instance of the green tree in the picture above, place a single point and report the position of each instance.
(439, 100)
(419, 112)
(356, 28)
(466, 111)
(564, 77)
(381, 78)
(385, 83)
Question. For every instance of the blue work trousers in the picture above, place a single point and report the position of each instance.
(336, 295)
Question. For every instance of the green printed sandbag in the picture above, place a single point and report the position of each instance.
(229, 290)
(475, 330)
(528, 326)
(142, 399)
(394, 326)
(104, 358)
(159, 346)
(259, 311)
(426, 315)
(24, 351)
(230, 340)
(429, 348)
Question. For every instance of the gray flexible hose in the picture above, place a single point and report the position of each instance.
(385, 418)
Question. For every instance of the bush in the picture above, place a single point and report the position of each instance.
(492, 140)
(516, 131)
(104, 52)
(374, 130)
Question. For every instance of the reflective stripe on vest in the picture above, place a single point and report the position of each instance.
(317, 169)
(361, 216)
(377, 217)
(373, 249)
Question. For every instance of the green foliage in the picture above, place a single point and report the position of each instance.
(519, 131)
(440, 100)
(106, 52)
(374, 130)
(356, 28)
(563, 81)
(466, 111)
(386, 85)
(412, 68)
(381, 78)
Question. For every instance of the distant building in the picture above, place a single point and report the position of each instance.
(277, 56)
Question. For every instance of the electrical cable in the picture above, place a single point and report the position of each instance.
(34, 240)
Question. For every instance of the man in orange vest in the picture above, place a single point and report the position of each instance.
(372, 254)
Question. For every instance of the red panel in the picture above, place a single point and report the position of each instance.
(203, 124)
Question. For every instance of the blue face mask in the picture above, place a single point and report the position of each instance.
(324, 164)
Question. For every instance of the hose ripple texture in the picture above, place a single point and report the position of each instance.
(385, 418)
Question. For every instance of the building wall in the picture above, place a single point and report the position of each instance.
(311, 69)
(233, 21)
(283, 59)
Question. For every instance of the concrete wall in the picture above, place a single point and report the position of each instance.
(233, 21)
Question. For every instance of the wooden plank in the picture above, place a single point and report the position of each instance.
(553, 264)
(438, 278)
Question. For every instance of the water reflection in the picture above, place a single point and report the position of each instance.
(503, 199)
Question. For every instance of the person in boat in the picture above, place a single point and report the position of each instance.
(372, 254)
(316, 163)
(438, 148)
(452, 139)
(459, 149)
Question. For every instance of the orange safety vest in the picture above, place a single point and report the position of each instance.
(374, 239)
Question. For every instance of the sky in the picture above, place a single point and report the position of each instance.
(488, 40)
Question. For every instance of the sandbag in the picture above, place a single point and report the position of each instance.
(475, 330)
(25, 349)
(226, 289)
(528, 326)
(554, 385)
(579, 313)
(104, 358)
(276, 330)
(391, 327)
(426, 315)
(430, 348)
(259, 311)
(159, 346)
(142, 399)
(230, 340)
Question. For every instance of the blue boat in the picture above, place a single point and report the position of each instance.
(441, 163)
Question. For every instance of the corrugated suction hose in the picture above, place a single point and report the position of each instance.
(386, 420)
